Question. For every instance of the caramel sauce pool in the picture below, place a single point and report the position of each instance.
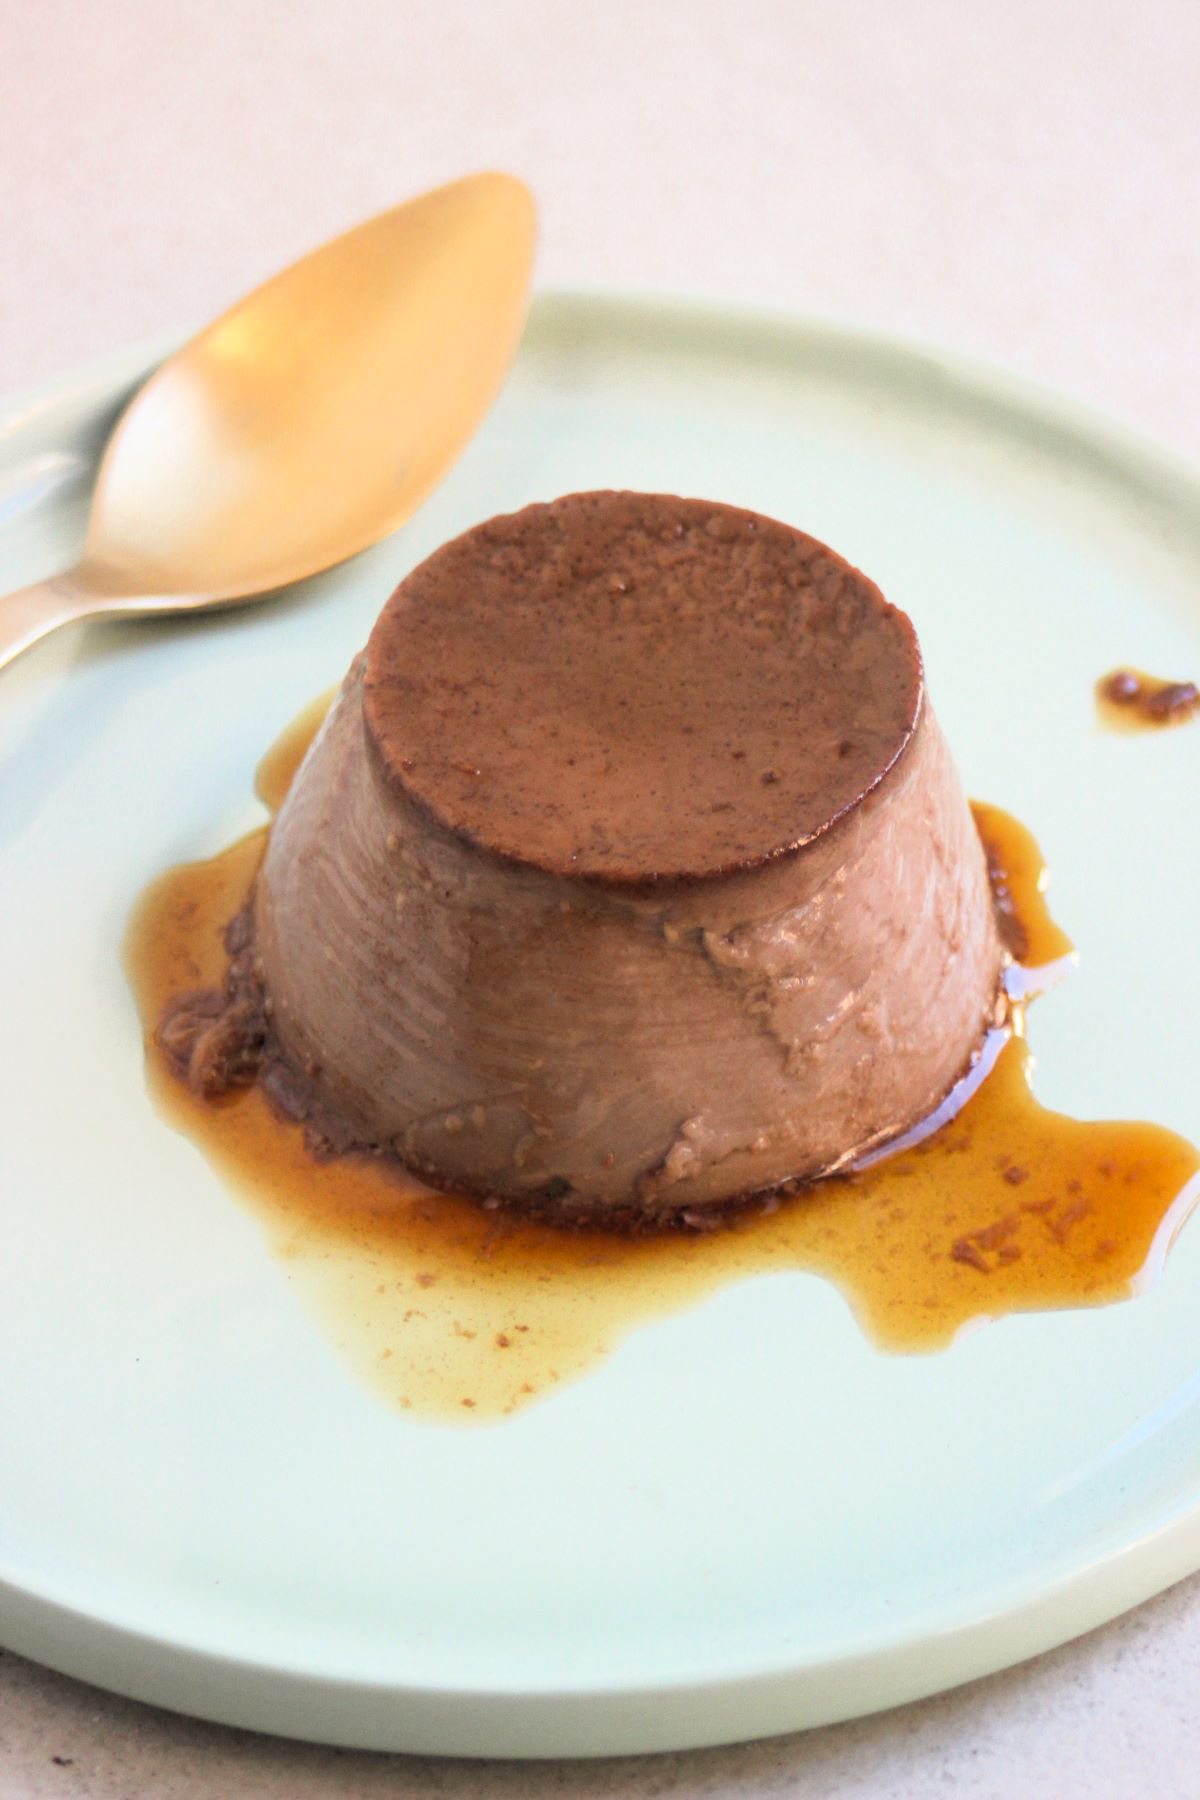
(1130, 700)
(453, 1312)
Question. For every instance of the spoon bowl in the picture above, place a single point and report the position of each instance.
(308, 421)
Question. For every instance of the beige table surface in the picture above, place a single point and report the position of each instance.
(1020, 177)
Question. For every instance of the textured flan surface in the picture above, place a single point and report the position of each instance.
(625, 686)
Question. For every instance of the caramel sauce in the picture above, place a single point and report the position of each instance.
(450, 1311)
(1131, 700)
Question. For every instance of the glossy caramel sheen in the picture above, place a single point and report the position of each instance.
(1130, 700)
(455, 1312)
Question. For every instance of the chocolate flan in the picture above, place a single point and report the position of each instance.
(630, 874)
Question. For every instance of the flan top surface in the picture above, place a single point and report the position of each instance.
(634, 688)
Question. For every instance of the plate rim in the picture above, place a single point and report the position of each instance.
(117, 368)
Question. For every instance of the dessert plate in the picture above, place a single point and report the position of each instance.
(747, 1520)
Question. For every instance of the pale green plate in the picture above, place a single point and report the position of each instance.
(747, 1520)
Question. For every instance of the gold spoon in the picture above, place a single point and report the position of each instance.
(308, 421)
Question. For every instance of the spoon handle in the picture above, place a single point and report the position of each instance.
(33, 612)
